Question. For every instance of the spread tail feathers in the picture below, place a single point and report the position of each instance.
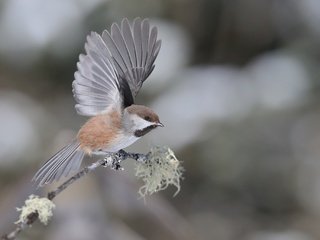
(67, 160)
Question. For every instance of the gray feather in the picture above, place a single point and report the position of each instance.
(133, 50)
(137, 40)
(96, 85)
(126, 53)
(145, 40)
(67, 160)
(128, 38)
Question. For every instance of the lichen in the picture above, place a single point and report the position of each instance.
(42, 206)
(160, 170)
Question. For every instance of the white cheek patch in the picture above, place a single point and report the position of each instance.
(140, 123)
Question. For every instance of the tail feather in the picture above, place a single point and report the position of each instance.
(57, 166)
(67, 160)
(74, 165)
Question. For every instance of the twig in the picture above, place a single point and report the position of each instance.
(51, 195)
(111, 160)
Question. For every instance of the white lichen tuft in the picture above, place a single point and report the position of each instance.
(160, 170)
(43, 206)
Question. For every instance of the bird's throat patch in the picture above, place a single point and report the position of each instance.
(144, 131)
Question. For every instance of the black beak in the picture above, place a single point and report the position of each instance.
(159, 124)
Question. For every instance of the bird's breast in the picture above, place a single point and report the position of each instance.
(121, 142)
(100, 132)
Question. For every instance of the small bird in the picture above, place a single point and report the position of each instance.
(108, 78)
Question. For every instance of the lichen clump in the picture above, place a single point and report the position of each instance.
(160, 170)
(42, 206)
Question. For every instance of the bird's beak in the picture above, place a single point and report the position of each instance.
(159, 124)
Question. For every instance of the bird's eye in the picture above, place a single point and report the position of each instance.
(147, 118)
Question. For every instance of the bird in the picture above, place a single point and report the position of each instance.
(109, 76)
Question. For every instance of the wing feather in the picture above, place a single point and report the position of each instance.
(116, 55)
(138, 40)
(133, 50)
(145, 41)
(96, 86)
(127, 35)
(121, 46)
(115, 66)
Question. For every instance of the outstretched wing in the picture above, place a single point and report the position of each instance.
(96, 86)
(133, 50)
(115, 66)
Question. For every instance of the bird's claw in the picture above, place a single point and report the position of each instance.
(117, 158)
(114, 160)
(116, 167)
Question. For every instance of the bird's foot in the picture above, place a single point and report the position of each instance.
(116, 166)
(114, 159)
(117, 158)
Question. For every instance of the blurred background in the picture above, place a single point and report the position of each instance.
(237, 86)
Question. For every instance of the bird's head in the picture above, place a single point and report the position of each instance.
(142, 119)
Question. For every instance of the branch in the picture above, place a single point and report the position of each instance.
(158, 169)
(111, 160)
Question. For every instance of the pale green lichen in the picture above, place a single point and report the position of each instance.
(43, 206)
(160, 170)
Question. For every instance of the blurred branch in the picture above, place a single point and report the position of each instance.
(111, 160)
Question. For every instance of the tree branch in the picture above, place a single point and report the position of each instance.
(111, 160)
